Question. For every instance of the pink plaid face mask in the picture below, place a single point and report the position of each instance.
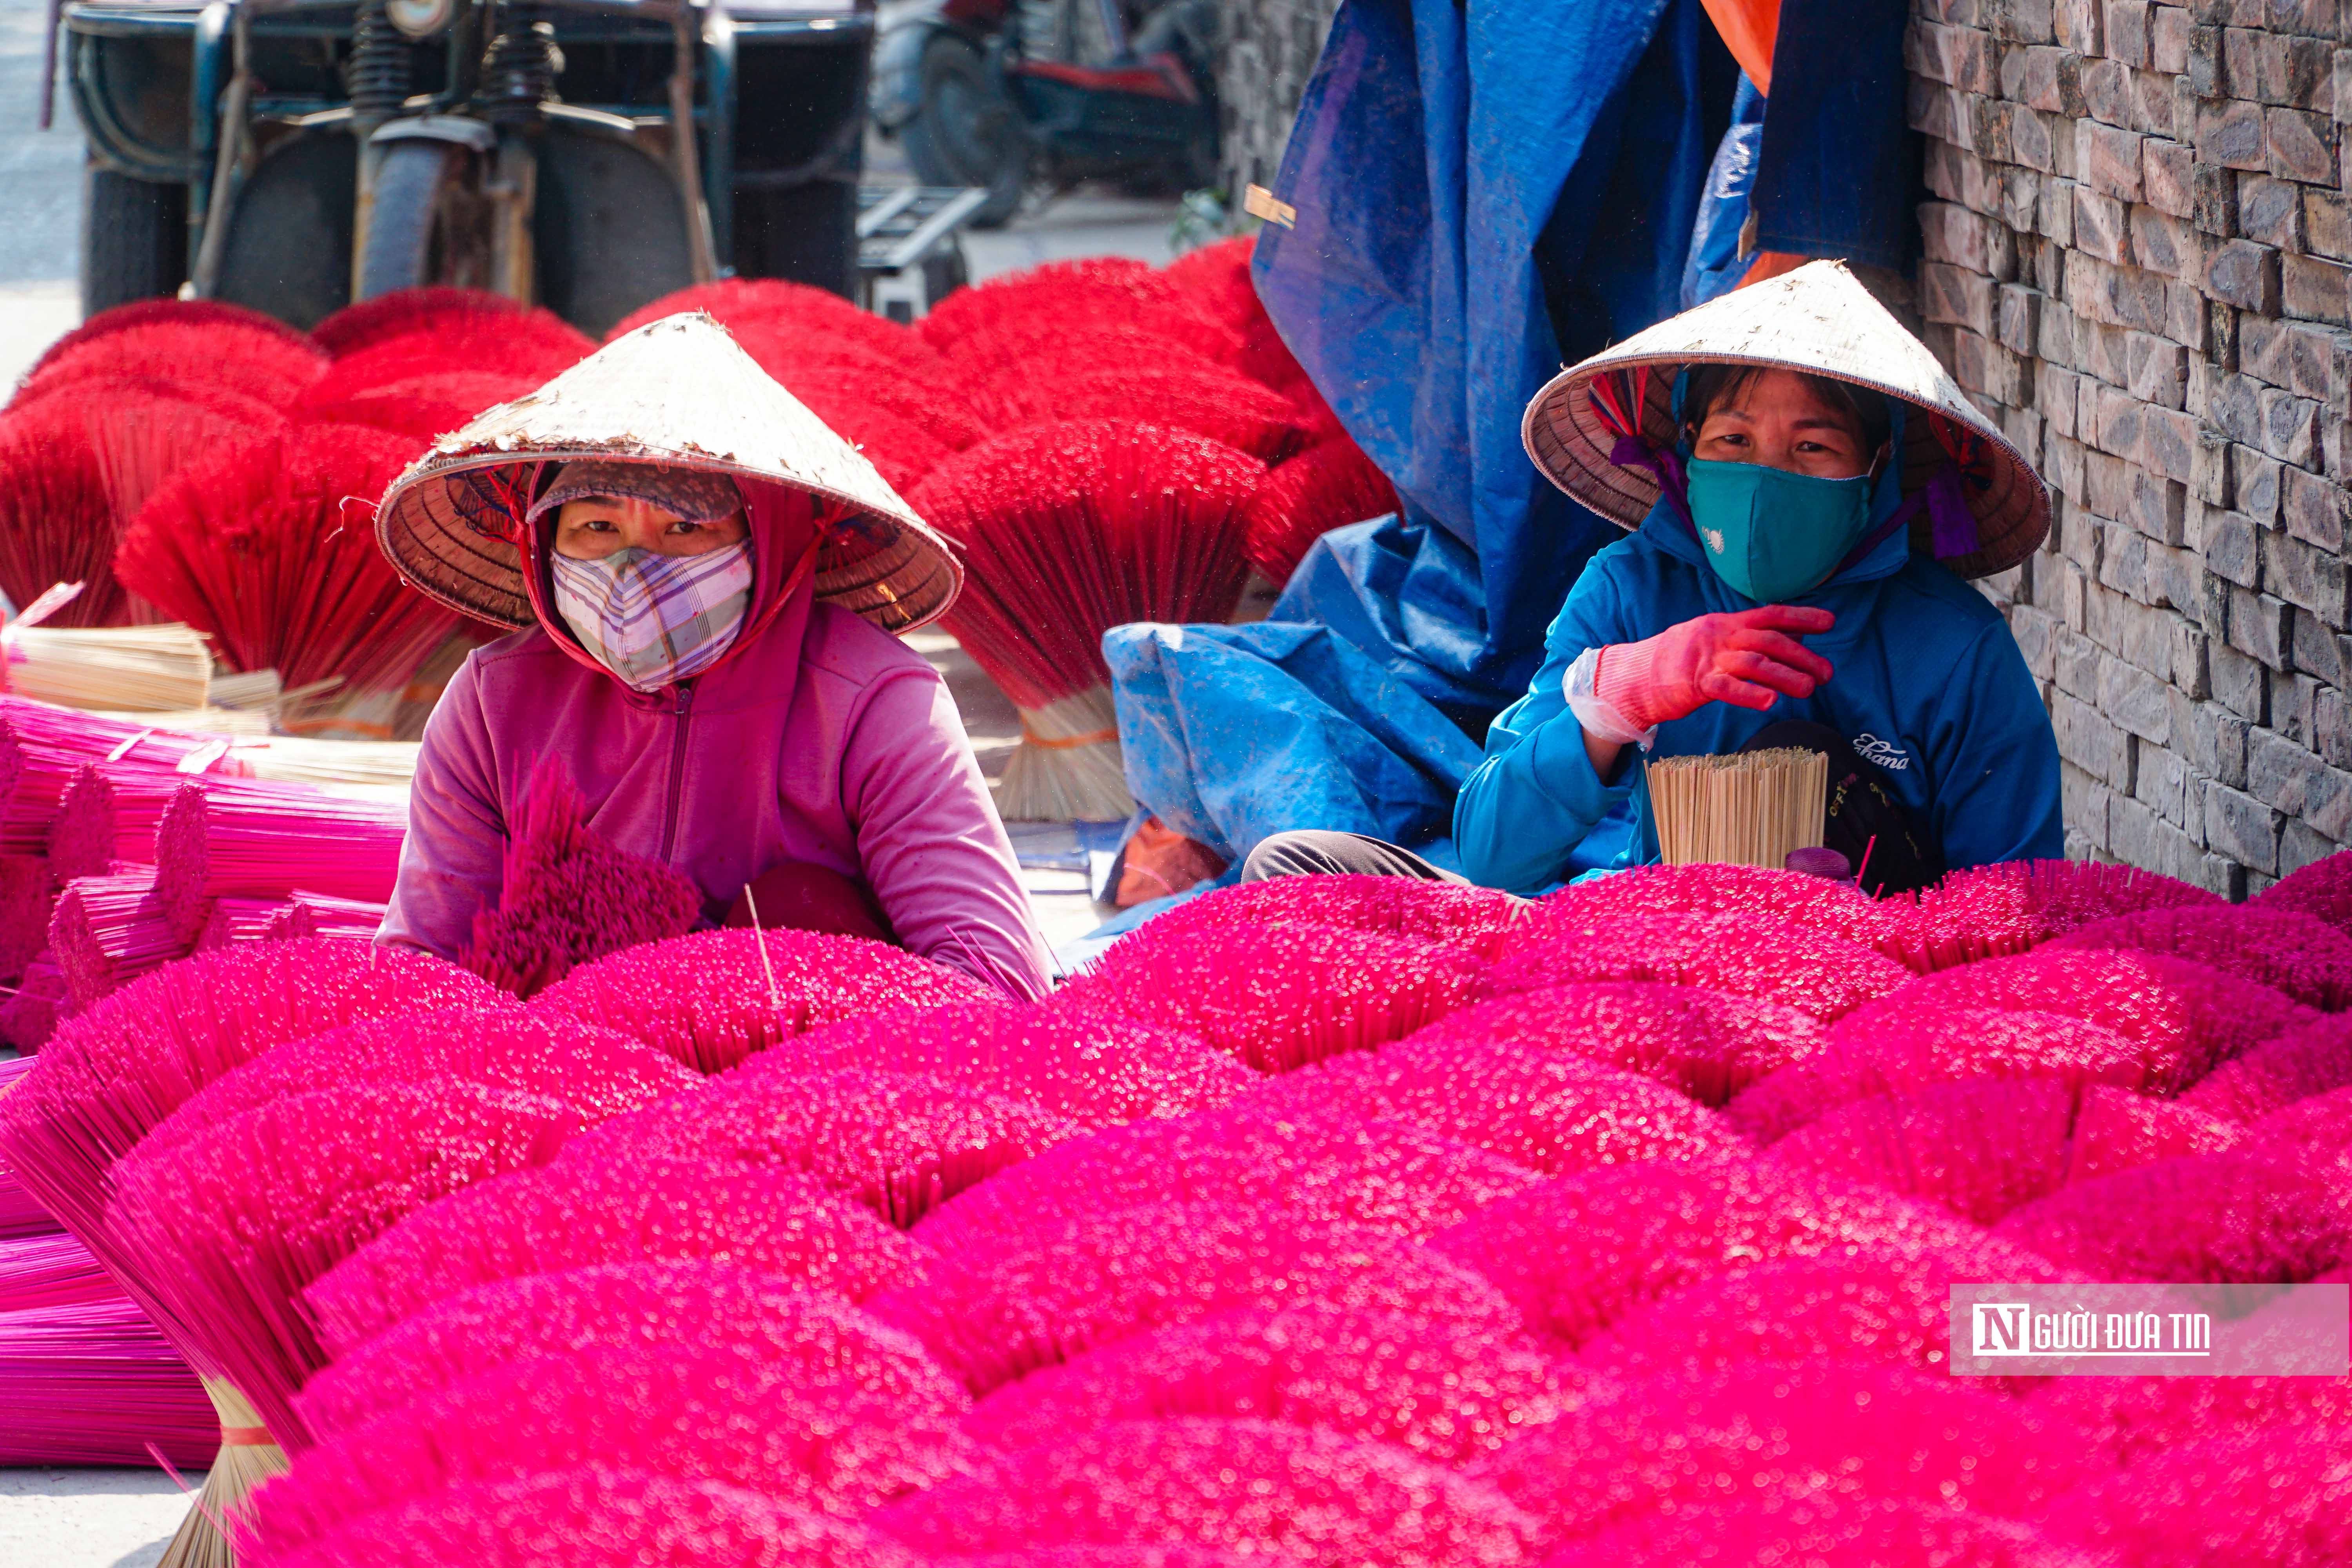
(651, 619)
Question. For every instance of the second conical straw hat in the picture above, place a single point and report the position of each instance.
(680, 391)
(1820, 319)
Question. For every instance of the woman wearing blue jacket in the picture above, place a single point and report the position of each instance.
(1806, 493)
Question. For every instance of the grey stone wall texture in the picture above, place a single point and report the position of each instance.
(1270, 48)
(2139, 260)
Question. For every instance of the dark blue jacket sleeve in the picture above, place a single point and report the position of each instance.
(1531, 802)
(1996, 760)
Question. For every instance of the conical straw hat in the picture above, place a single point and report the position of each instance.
(679, 391)
(1817, 319)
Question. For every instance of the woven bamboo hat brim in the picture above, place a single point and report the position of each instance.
(1817, 319)
(679, 391)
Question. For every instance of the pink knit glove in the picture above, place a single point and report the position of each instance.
(1741, 657)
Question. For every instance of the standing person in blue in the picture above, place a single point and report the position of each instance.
(1807, 493)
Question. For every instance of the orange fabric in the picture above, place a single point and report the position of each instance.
(1749, 28)
(1158, 861)
(1770, 264)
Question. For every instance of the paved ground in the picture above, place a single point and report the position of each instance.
(87, 1518)
(122, 1518)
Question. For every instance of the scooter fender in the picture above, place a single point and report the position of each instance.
(896, 93)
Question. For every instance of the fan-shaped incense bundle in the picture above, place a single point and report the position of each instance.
(581, 1213)
(1067, 531)
(421, 407)
(1746, 955)
(622, 1305)
(1991, 911)
(895, 1143)
(1664, 1442)
(1324, 1166)
(265, 547)
(2298, 954)
(1793, 1523)
(1224, 405)
(1890, 1306)
(1479, 919)
(1550, 1111)
(999, 1313)
(1330, 484)
(567, 897)
(1097, 1070)
(151, 313)
(632, 1516)
(2241, 1216)
(2313, 1059)
(597, 1072)
(711, 998)
(263, 362)
(1216, 279)
(366, 322)
(56, 519)
(476, 348)
(696, 1411)
(742, 304)
(1578, 1252)
(229, 1224)
(143, 430)
(2323, 890)
(1102, 288)
(1279, 996)
(2187, 1019)
(1899, 1052)
(1750, 809)
(1262, 1489)
(1707, 1045)
(890, 1141)
(1449, 1392)
(1793, 898)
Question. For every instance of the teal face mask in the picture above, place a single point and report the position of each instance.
(1771, 534)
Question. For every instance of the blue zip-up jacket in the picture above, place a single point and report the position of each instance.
(1927, 684)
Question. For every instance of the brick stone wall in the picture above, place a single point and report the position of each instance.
(2136, 259)
(1270, 49)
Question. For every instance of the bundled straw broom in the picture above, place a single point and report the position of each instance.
(1748, 809)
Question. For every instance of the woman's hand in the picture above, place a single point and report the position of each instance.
(1749, 658)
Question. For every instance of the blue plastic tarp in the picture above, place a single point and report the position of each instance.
(1462, 177)
(1483, 194)
(1235, 733)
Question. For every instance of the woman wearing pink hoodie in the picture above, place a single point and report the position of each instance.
(708, 582)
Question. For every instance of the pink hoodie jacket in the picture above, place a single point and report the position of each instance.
(817, 739)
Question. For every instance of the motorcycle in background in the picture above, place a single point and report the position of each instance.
(1002, 94)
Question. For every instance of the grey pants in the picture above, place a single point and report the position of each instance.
(1316, 852)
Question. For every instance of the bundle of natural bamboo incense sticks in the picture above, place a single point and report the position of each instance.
(1750, 809)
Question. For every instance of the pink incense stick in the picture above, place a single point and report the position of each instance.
(95, 1384)
(255, 838)
(108, 930)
